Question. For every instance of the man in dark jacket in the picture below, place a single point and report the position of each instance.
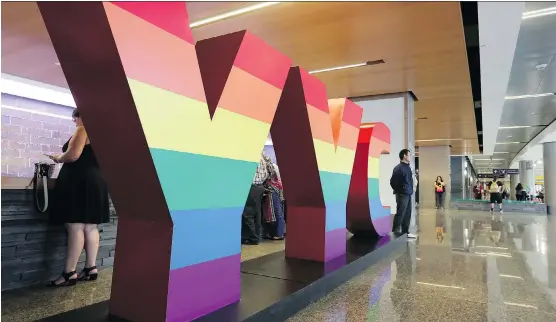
(402, 184)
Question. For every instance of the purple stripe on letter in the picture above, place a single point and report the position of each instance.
(335, 243)
(197, 290)
(383, 225)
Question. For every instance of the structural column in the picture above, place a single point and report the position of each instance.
(433, 161)
(514, 180)
(396, 111)
(549, 161)
(409, 109)
(527, 175)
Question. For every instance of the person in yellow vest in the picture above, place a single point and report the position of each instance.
(495, 195)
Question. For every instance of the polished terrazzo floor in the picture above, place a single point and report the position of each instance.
(464, 267)
(35, 303)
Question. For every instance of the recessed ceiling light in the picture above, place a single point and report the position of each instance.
(539, 13)
(514, 127)
(336, 68)
(36, 112)
(231, 14)
(528, 96)
(437, 140)
(368, 63)
(508, 142)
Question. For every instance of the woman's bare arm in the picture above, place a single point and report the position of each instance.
(75, 146)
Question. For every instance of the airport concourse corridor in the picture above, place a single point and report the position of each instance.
(465, 266)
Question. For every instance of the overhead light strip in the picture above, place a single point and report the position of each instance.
(438, 140)
(36, 112)
(231, 14)
(539, 13)
(316, 71)
(487, 164)
(508, 142)
(514, 127)
(331, 69)
(21, 87)
(528, 96)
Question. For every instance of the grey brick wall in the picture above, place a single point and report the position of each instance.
(26, 136)
(32, 250)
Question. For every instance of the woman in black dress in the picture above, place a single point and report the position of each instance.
(80, 202)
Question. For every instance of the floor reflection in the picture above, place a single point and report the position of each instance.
(466, 266)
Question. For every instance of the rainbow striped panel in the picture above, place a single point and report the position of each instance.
(335, 128)
(379, 143)
(205, 162)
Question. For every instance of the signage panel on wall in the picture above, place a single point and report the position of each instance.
(503, 172)
(484, 175)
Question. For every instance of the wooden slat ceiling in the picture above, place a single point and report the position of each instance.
(422, 44)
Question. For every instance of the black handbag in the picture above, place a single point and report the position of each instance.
(43, 171)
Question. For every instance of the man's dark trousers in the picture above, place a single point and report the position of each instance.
(251, 228)
(402, 218)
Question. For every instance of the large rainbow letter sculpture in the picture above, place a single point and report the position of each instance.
(174, 123)
(179, 163)
(366, 216)
(315, 147)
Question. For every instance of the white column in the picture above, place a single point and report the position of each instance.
(409, 108)
(527, 174)
(397, 112)
(549, 162)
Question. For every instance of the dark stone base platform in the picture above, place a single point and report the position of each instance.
(274, 288)
(508, 206)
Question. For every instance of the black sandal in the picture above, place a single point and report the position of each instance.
(67, 280)
(88, 276)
